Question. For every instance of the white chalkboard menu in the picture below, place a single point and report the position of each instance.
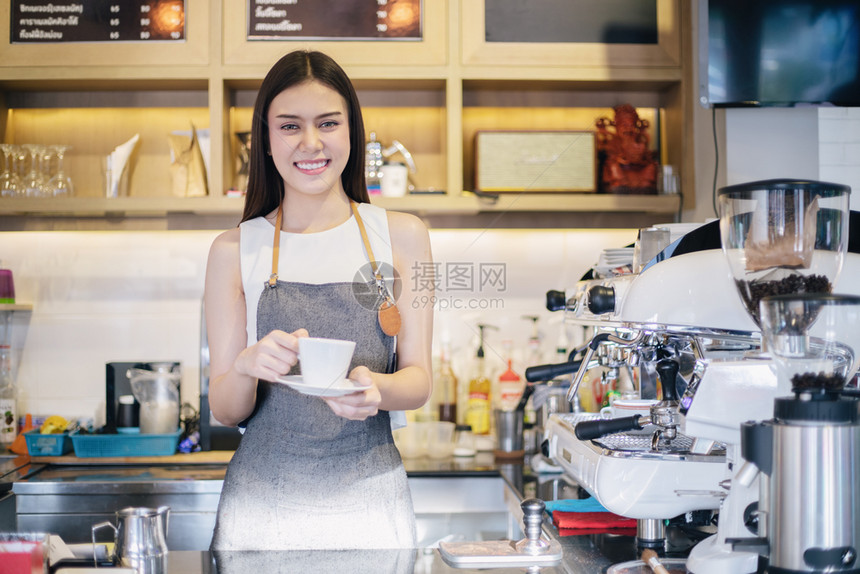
(60, 21)
(334, 19)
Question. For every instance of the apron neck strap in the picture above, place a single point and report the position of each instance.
(276, 246)
(364, 239)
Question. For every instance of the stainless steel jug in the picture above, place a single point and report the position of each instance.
(140, 538)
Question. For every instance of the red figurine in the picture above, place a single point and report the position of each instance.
(629, 165)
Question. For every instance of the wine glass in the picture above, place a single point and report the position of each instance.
(61, 184)
(34, 181)
(10, 184)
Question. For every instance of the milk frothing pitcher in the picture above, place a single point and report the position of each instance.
(140, 538)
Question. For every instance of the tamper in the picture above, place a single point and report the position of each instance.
(531, 552)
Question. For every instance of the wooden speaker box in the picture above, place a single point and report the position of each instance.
(535, 161)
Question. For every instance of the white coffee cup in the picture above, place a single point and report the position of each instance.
(325, 362)
(627, 408)
(394, 181)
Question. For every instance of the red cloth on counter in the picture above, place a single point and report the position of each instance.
(578, 523)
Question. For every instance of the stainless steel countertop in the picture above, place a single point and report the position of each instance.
(56, 479)
(590, 554)
(420, 561)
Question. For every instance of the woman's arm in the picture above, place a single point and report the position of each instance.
(410, 386)
(235, 368)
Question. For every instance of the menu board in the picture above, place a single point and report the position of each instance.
(334, 19)
(61, 21)
(603, 22)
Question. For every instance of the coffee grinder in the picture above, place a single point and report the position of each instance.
(809, 452)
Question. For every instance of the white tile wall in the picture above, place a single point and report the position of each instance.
(839, 148)
(130, 296)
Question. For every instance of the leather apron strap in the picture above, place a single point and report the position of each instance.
(276, 247)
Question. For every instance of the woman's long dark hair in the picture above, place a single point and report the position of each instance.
(265, 185)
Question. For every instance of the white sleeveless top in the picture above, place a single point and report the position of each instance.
(331, 256)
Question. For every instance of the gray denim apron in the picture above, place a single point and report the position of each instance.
(303, 477)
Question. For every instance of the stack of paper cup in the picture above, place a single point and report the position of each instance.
(7, 286)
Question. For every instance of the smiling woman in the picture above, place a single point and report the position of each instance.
(312, 466)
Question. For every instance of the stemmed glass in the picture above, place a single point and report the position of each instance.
(10, 184)
(34, 181)
(61, 184)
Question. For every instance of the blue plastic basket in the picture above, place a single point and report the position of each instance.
(125, 444)
(39, 444)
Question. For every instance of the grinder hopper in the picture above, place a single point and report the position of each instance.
(783, 236)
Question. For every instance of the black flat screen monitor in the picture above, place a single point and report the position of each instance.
(779, 52)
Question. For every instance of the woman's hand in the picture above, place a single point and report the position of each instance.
(361, 404)
(272, 356)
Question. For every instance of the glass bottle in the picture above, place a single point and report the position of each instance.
(373, 165)
(447, 387)
(479, 406)
(534, 357)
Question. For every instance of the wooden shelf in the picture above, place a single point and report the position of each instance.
(429, 204)
(582, 203)
(129, 206)
(202, 457)
(16, 307)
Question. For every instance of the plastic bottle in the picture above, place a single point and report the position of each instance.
(447, 385)
(510, 388)
(479, 404)
(8, 406)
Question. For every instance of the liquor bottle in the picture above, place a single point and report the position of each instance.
(479, 403)
(447, 387)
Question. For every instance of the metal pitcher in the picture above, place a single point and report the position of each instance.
(140, 538)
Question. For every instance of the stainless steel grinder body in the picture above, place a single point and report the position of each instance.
(810, 453)
(814, 499)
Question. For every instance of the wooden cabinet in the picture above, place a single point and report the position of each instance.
(431, 95)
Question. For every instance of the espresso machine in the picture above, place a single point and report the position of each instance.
(688, 325)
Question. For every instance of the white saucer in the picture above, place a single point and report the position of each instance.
(338, 389)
